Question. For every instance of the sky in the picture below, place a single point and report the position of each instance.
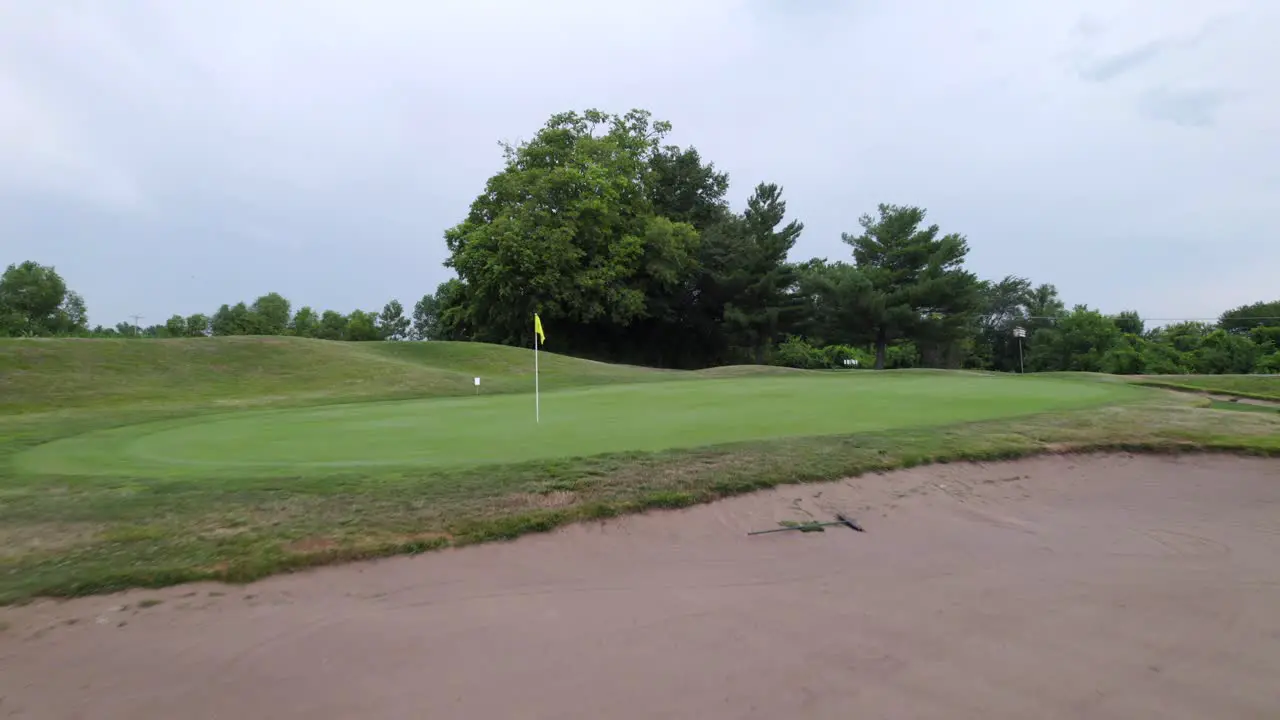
(168, 156)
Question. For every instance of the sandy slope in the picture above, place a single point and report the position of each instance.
(1107, 587)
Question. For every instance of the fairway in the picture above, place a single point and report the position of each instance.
(469, 431)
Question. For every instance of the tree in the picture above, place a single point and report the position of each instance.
(682, 189)
(1220, 352)
(197, 325)
(1129, 322)
(759, 283)
(1241, 320)
(392, 324)
(270, 315)
(567, 229)
(1044, 307)
(73, 316)
(31, 301)
(1161, 358)
(238, 319)
(1185, 337)
(1004, 307)
(305, 323)
(224, 322)
(835, 303)
(1078, 341)
(361, 326)
(453, 319)
(919, 284)
(175, 326)
(426, 318)
(333, 326)
(684, 326)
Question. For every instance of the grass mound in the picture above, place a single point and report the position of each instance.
(43, 374)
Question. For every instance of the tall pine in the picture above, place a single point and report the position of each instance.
(919, 287)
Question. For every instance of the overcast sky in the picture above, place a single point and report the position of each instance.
(172, 155)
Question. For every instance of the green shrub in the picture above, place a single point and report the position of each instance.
(901, 355)
(835, 356)
(1269, 365)
(1164, 359)
(1124, 359)
(796, 352)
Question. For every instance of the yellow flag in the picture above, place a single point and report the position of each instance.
(537, 330)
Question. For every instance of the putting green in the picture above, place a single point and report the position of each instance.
(464, 431)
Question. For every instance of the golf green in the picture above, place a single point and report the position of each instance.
(462, 431)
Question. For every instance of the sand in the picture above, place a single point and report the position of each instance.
(1089, 587)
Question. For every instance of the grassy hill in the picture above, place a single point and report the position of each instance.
(42, 374)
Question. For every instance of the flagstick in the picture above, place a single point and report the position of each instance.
(537, 397)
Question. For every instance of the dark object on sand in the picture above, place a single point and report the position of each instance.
(808, 527)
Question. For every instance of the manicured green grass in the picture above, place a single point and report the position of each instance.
(500, 429)
(1259, 387)
(139, 463)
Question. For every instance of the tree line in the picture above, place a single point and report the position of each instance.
(35, 302)
(629, 250)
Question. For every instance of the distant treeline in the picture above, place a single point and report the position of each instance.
(628, 249)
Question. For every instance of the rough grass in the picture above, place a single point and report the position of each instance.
(1244, 407)
(73, 534)
(1258, 387)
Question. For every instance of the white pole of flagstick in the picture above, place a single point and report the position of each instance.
(537, 396)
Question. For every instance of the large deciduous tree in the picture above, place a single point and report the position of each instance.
(682, 188)
(392, 324)
(919, 285)
(305, 322)
(1003, 309)
(175, 326)
(1242, 320)
(453, 312)
(567, 229)
(270, 315)
(361, 326)
(426, 318)
(1130, 322)
(34, 300)
(333, 326)
(1078, 341)
(197, 325)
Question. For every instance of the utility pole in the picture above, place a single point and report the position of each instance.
(136, 318)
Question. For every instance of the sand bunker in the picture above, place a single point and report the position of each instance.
(1106, 587)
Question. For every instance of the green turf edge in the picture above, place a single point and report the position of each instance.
(749, 477)
(1206, 390)
(1119, 394)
